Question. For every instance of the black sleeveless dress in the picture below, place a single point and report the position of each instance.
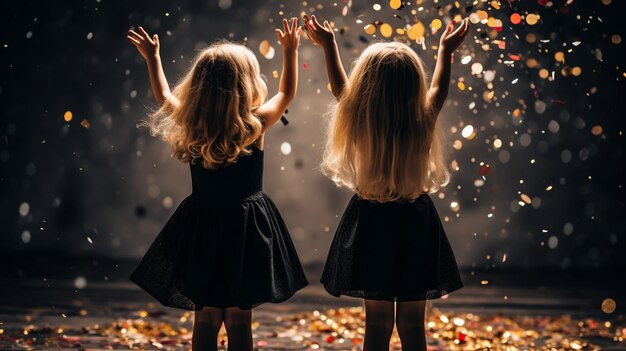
(226, 244)
(393, 251)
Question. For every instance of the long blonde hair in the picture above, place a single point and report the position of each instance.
(214, 121)
(383, 142)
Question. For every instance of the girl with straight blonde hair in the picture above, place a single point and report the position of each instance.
(226, 248)
(384, 143)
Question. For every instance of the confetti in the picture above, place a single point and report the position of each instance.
(468, 132)
(386, 30)
(266, 49)
(80, 283)
(285, 148)
(609, 305)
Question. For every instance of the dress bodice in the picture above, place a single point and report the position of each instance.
(232, 181)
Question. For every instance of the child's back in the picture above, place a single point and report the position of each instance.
(226, 248)
(390, 246)
(206, 254)
(232, 182)
(383, 145)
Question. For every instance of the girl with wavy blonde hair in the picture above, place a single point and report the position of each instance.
(384, 143)
(226, 248)
(212, 120)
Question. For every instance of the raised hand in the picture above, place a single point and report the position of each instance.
(147, 47)
(289, 37)
(319, 35)
(450, 40)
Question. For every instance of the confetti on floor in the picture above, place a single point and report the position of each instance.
(333, 329)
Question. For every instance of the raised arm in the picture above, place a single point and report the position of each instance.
(289, 38)
(149, 50)
(324, 36)
(439, 86)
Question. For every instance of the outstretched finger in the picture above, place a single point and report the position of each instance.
(299, 32)
(285, 26)
(458, 30)
(279, 34)
(294, 24)
(135, 35)
(133, 40)
(327, 25)
(316, 24)
(144, 34)
(466, 29)
(308, 26)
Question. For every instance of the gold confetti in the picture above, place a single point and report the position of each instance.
(559, 56)
(85, 123)
(416, 31)
(608, 305)
(532, 19)
(436, 24)
(266, 49)
(386, 30)
(596, 130)
(395, 4)
(67, 116)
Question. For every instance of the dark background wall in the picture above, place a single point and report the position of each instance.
(106, 190)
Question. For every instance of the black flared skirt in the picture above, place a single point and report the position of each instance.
(391, 251)
(222, 254)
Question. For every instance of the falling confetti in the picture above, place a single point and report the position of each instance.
(608, 305)
(266, 49)
(285, 148)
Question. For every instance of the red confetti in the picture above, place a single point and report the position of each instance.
(462, 337)
(484, 170)
(515, 57)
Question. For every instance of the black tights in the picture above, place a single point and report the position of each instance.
(379, 321)
(207, 324)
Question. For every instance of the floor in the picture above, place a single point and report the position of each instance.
(493, 312)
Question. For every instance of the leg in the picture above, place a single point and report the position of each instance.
(206, 326)
(410, 323)
(239, 329)
(378, 325)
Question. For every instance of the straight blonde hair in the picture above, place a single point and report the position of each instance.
(214, 122)
(383, 142)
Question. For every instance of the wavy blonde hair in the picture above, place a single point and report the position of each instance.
(214, 121)
(383, 142)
